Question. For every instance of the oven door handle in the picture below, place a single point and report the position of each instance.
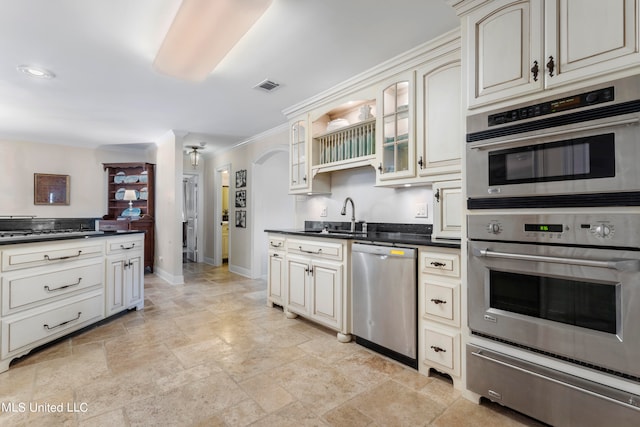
(613, 264)
(489, 145)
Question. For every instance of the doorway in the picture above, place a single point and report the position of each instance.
(190, 219)
(221, 241)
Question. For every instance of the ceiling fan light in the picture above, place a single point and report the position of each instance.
(202, 33)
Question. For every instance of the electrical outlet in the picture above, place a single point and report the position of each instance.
(323, 211)
(421, 210)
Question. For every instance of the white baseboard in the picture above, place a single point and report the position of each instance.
(169, 278)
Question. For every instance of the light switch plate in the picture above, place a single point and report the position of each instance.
(323, 211)
(421, 210)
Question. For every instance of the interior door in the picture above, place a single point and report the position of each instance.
(191, 218)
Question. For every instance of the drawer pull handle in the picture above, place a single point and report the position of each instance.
(276, 246)
(48, 258)
(319, 251)
(127, 247)
(438, 349)
(438, 264)
(438, 301)
(48, 289)
(47, 327)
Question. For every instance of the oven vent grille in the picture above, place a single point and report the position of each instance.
(267, 85)
(577, 117)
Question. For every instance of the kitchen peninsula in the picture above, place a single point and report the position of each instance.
(61, 275)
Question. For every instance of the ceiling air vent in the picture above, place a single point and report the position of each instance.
(267, 85)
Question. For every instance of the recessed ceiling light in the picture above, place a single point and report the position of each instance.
(31, 71)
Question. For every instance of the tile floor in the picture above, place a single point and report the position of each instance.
(210, 353)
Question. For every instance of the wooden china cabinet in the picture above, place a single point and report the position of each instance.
(139, 177)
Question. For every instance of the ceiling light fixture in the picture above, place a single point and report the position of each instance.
(31, 71)
(194, 156)
(202, 33)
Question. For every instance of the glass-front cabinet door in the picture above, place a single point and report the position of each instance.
(298, 179)
(396, 140)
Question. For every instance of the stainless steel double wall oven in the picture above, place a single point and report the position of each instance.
(554, 256)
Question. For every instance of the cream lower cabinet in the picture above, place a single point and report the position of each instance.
(48, 290)
(276, 268)
(315, 284)
(125, 283)
(439, 334)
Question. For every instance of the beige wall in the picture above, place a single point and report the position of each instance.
(20, 160)
(169, 208)
(242, 239)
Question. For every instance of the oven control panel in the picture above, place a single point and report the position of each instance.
(610, 229)
(602, 231)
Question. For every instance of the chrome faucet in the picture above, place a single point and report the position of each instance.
(353, 212)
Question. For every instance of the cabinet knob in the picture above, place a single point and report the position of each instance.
(421, 162)
(535, 70)
(551, 66)
(380, 167)
(437, 195)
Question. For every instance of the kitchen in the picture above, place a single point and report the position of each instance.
(375, 206)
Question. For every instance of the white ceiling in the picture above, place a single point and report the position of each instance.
(107, 92)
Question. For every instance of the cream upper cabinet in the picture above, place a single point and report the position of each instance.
(589, 37)
(447, 210)
(395, 128)
(504, 40)
(301, 178)
(520, 47)
(439, 117)
(298, 151)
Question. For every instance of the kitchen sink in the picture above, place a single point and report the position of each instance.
(343, 233)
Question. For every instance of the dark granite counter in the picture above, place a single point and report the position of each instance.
(395, 234)
(37, 230)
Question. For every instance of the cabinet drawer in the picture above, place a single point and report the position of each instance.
(442, 264)
(442, 348)
(21, 292)
(125, 244)
(439, 300)
(276, 242)
(35, 255)
(316, 248)
(43, 326)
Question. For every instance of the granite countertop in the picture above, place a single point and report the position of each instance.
(401, 234)
(62, 236)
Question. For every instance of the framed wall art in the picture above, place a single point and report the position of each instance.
(241, 199)
(241, 219)
(241, 178)
(49, 189)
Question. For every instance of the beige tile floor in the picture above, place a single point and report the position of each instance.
(210, 353)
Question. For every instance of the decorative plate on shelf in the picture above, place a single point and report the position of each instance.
(144, 178)
(131, 212)
(120, 194)
(119, 178)
(337, 124)
(131, 179)
(144, 193)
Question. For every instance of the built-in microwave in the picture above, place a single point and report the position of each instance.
(571, 150)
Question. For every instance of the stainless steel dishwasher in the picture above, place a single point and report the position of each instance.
(385, 300)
